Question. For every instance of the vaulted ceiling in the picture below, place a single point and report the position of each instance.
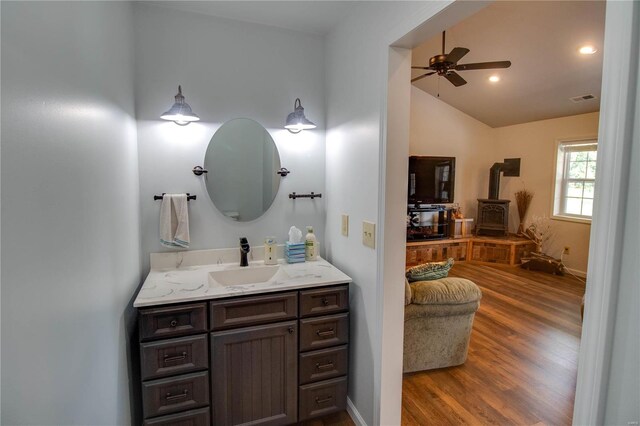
(541, 39)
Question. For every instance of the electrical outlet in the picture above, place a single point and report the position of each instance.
(345, 225)
(567, 250)
(369, 234)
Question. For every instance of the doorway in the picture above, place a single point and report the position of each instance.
(395, 165)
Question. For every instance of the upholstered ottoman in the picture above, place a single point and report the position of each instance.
(438, 317)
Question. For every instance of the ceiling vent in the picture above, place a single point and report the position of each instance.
(582, 98)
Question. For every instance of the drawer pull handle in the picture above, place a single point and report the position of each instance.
(324, 366)
(325, 302)
(323, 400)
(175, 358)
(173, 323)
(291, 330)
(326, 333)
(170, 397)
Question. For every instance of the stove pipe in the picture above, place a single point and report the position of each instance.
(510, 167)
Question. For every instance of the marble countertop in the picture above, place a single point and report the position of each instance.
(186, 282)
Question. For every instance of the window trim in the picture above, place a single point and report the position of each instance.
(558, 187)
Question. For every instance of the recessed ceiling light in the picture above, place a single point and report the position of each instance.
(494, 79)
(587, 50)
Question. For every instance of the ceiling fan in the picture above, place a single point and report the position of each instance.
(446, 65)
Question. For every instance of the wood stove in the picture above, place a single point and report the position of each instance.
(493, 214)
(493, 217)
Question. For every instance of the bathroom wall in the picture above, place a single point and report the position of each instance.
(357, 68)
(70, 211)
(228, 69)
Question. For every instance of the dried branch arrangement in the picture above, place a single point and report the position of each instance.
(540, 232)
(523, 201)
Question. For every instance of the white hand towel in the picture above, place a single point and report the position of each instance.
(174, 221)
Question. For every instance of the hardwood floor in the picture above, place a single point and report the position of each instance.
(523, 355)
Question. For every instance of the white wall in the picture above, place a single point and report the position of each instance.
(357, 69)
(535, 143)
(623, 388)
(228, 69)
(442, 130)
(623, 393)
(70, 211)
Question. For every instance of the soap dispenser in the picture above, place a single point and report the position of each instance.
(270, 251)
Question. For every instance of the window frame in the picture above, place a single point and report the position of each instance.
(560, 176)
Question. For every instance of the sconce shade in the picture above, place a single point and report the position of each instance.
(180, 113)
(296, 121)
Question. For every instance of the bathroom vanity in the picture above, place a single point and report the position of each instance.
(225, 345)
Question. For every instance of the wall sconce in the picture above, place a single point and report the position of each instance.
(180, 113)
(296, 121)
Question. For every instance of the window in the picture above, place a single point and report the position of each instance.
(575, 179)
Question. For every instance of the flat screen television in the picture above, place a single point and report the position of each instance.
(431, 179)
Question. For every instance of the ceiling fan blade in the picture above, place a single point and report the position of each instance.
(422, 76)
(455, 78)
(456, 54)
(421, 68)
(483, 66)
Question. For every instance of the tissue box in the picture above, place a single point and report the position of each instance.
(296, 248)
(294, 252)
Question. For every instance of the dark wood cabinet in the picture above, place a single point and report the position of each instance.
(323, 364)
(254, 375)
(267, 359)
(173, 320)
(175, 394)
(322, 398)
(323, 332)
(174, 356)
(324, 301)
(252, 310)
(199, 417)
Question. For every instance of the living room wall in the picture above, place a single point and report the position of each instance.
(439, 129)
(535, 143)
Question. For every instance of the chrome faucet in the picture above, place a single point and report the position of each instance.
(244, 250)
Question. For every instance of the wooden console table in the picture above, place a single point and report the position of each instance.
(507, 250)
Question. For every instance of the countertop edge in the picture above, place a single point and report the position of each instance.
(247, 292)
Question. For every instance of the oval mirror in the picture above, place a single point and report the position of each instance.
(242, 160)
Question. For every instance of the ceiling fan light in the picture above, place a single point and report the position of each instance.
(587, 50)
(494, 79)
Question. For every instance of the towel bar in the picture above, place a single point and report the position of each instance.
(293, 195)
(159, 197)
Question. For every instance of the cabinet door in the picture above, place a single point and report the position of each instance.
(254, 375)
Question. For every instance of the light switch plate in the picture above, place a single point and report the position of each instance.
(369, 234)
(345, 225)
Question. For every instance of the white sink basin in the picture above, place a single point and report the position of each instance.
(246, 275)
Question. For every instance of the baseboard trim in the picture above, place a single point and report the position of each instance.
(576, 272)
(354, 414)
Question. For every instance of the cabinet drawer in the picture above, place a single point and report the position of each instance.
(322, 332)
(324, 301)
(173, 321)
(200, 417)
(174, 394)
(323, 364)
(253, 310)
(322, 398)
(174, 356)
